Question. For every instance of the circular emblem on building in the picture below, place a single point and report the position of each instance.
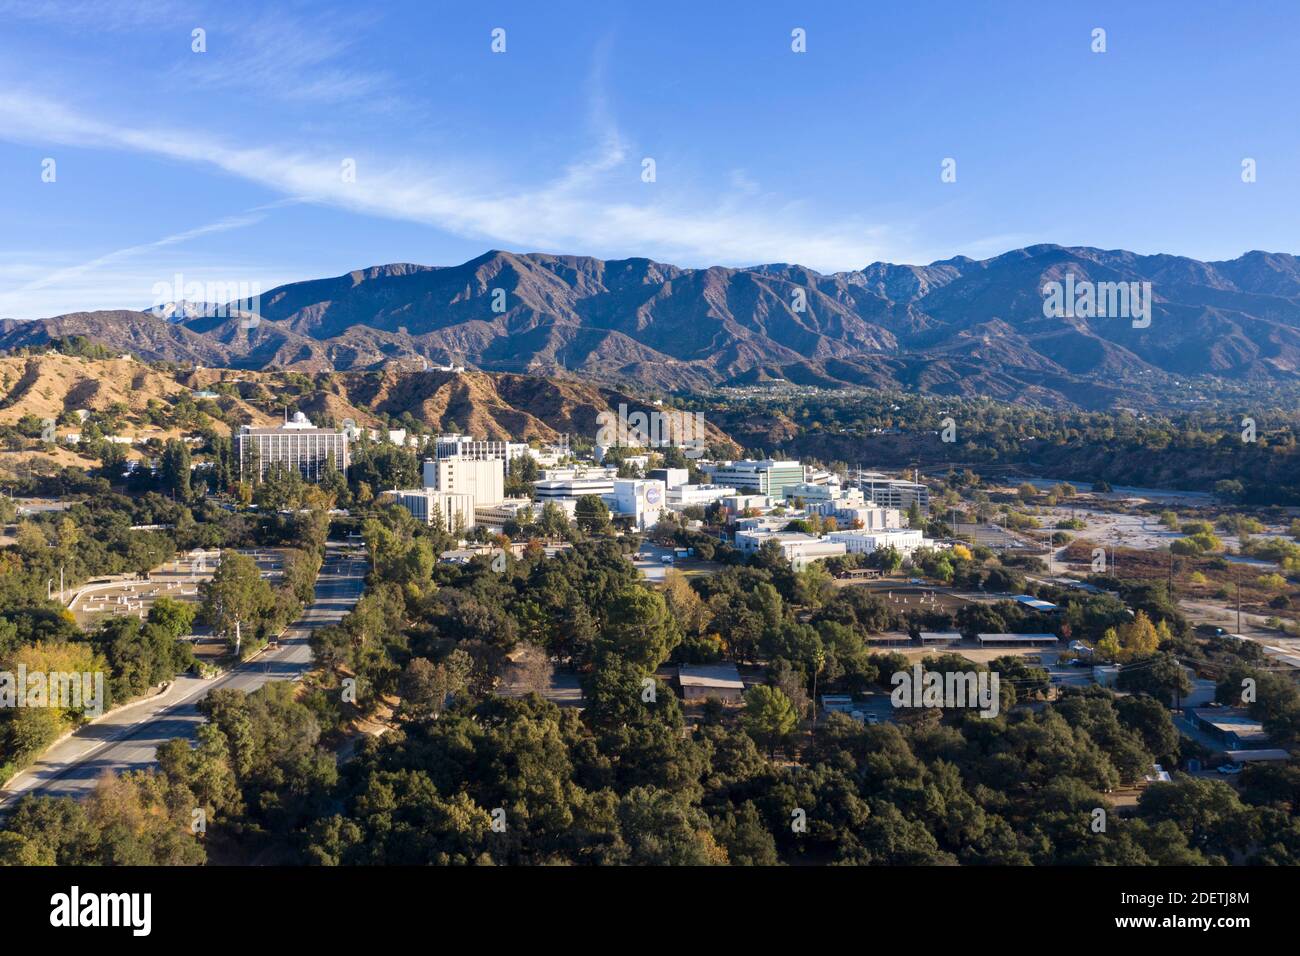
(652, 495)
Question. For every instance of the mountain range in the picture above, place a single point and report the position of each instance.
(955, 327)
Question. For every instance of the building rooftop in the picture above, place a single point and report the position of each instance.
(1232, 720)
(710, 675)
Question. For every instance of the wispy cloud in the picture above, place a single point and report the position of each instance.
(584, 207)
(281, 56)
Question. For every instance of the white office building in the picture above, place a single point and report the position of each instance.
(297, 445)
(482, 478)
(463, 446)
(860, 517)
(671, 477)
(799, 548)
(686, 496)
(455, 512)
(905, 540)
(893, 492)
(739, 504)
(495, 517)
(765, 477)
(559, 489)
(642, 499)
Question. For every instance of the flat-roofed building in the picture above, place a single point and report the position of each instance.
(495, 517)
(1266, 755)
(571, 489)
(671, 477)
(1233, 726)
(940, 637)
(484, 478)
(809, 492)
(904, 540)
(702, 681)
(798, 548)
(297, 445)
(858, 517)
(764, 477)
(1034, 604)
(739, 504)
(463, 446)
(687, 496)
(639, 498)
(579, 471)
(893, 492)
(1016, 640)
(454, 512)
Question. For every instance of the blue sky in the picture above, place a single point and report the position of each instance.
(225, 166)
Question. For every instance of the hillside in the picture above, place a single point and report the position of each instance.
(147, 402)
(956, 327)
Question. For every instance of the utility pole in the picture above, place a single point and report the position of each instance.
(1237, 577)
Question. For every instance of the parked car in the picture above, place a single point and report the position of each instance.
(1230, 769)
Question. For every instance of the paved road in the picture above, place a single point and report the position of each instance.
(128, 739)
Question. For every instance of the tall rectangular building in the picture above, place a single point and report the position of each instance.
(296, 444)
(462, 446)
(484, 478)
(452, 512)
(766, 477)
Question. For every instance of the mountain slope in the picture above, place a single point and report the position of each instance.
(959, 326)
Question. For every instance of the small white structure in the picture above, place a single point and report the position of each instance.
(702, 681)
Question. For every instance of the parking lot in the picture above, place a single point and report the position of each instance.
(178, 579)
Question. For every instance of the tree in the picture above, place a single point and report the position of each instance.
(591, 514)
(175, 469)
(173, 616)
(639, 630)
(770, 717)
(236, 598)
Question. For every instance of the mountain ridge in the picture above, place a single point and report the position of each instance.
(956, 326)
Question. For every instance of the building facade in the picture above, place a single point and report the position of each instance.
(686, 496)
(297, 444)
(904, 540)
(454, 512)
(765, 477)
(483, 478)
(642, 499)
(462, 446)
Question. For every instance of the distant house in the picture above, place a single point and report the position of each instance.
(1158, 774)
(1015, 640)
(702, 681)
(940, 637)
(1267, 755)
(1232, 726)
(1034, 604)
(1107, 675)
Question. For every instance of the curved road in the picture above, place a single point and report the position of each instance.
(128, 739)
